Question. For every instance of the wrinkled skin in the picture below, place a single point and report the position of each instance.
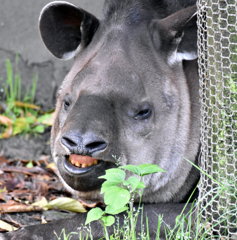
(131, 97)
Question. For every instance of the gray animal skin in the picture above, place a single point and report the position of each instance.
(131, 97)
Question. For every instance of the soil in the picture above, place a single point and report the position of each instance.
(26, 147)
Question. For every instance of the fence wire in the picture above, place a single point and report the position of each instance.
(217, 50)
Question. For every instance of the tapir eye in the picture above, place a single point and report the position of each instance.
(66, 103)
(143, 114)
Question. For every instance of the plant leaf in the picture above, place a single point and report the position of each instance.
(30, 119)
(116, 197)
(114, 175)
(106, 186)
(135, 183)
(131, 168)
(111, 210)
(146, 169)
(20, 125)
(94, 214)
(108, 220)
(39, 129)
(143, 169)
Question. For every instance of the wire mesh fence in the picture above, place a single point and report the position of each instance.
(217, 50)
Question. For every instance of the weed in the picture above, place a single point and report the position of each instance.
(119, 195)
(18, 113)
(64, 236)
(188, 226)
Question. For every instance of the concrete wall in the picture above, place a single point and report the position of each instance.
(19, 35)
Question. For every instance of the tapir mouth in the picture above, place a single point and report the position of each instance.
(81, 161)
(81, 172)
(81, 164)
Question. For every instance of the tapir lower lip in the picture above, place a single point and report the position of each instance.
(83, 179)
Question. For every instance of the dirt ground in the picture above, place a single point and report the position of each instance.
(23, 186)
(26, 147)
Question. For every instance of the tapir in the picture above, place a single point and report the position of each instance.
(131, 97)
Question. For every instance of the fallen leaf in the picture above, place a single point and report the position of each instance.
(22, 195)
(41, 188)
(44, 159)
(44, 177)
(22, 186)
(14, 207)
(90, 204)
(30, 164)
(5, 120)
(52, 167)
(41, 203)
(26, 105)
(3, 160)
(62, 203)
(24, 170)
(7, 227)
(9, 219)
(3, 192)
(2, 197)
(12, 183)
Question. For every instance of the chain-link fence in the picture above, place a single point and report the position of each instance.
(217, 48)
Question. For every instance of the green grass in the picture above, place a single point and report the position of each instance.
(18, 112)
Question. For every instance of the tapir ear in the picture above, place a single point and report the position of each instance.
(178, 35)
(65, 28)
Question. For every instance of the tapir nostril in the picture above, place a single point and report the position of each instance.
(79, 144)
(96, 146)
(69, 142)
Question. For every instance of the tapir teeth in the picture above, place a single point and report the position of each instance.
(82, 165)
(77, 164)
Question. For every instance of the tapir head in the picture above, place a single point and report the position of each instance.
(126, 99)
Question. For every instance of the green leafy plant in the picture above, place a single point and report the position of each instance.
(120, 193)
(188, 225)
(18, 113)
